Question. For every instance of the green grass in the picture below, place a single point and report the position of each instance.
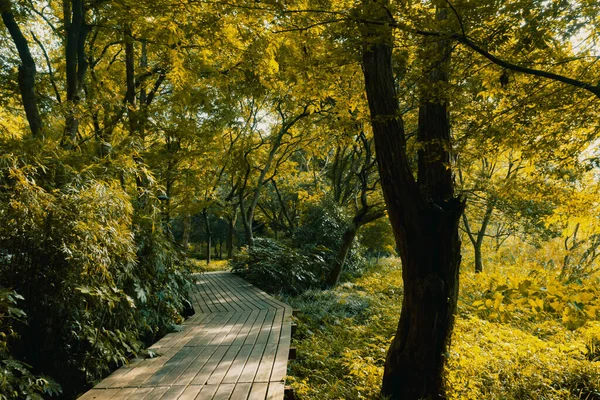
(201, 266)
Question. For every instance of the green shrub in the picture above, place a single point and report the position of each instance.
(98, 279)
(16, 379)
(275, 267)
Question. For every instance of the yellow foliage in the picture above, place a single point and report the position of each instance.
(520, 334)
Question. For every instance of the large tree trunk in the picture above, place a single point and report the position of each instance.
(75, 63)
(424, 218)
(27, 70)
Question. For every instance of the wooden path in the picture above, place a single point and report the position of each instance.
(235, 347)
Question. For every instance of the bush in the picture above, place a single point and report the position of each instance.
(275, 267)
(16, 379)
(97, 279)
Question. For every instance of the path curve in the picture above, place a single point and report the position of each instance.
(235, 347)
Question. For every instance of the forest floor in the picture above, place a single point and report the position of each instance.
(520, 334)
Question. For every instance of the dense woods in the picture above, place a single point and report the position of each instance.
(303, 142)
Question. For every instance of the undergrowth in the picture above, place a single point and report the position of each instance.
(524, 337)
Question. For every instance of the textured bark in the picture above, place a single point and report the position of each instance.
(75, 63)
(424, 217)
(27, 70)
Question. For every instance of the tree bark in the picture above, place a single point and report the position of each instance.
(208, 236)
(342, 254)
(75, 63)
(247, 221)
(363, 217)
(27, 70)
(424, 217)
(187, 228)
(477, 241)
(231, 234)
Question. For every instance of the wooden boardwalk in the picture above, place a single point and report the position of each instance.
(235, 347)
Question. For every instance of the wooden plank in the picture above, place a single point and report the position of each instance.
(207, 392)
(281, 359)
(99, 394)
(244, 290)
(225, 296)
(190, 373)
(173, 393)
(191, 392)
(157, 377)
(241, 391)
(265, 330)
(224, 331)
(237, 292)
(209, 296)
(210, 330)
(241, 336)
(209, 366)
(237, 366)
(275, 333)
(138, 394)
(173, 375)
(118, 374)
(275, 391)
(233, 333)
(266, 364)
(157, 393)
(258, 391)
(253, 334)
(251, 367)
(221, 369)
(150, 366)
(224, 391)
(198, 299)
(125, 393)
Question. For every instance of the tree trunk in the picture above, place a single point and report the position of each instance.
(247, 221)
(424, 217)
(75, 63)
(27, 70)
(477, 241)
(340, 259)
(208, 236)
(478, 258)
(231, 234)
(187, 229)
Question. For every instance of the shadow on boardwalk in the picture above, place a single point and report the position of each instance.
(235, 347)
